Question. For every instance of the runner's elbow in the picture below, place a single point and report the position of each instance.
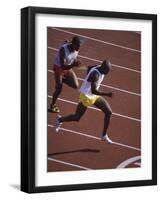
(94, 91)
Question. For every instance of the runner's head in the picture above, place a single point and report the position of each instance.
(76, 43)
(105, 66)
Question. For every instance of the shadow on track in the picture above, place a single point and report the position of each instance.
(75, 151)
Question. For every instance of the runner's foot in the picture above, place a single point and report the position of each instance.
(106, 139)
(57, 123)
(54, 108)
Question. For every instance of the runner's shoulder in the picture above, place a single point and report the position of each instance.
(94, 76)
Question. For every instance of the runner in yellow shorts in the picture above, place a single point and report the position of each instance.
(90, 95)
(86, 101)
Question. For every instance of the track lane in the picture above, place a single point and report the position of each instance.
(121, 103)
(130, 59)
(109, 36)
(121, 130)
(85, 152)
(112, 79)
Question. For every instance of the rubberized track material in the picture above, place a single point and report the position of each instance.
(78, 145)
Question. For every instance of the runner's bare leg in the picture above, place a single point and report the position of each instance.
(80, 110)
(102, 104)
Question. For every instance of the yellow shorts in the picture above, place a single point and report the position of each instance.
(87, 101)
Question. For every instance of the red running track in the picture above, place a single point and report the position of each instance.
(78, 145)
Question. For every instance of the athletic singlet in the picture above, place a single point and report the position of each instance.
(86, 86)
(69, 56)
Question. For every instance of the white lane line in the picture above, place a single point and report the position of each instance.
(107, 86)
(137, 163)
(96, 138)
(128, 162)
(127, 146)
(97, 40)
(114, 65)
(67, 163)
(93, 108)
(92, 59)
(118, 89)
(138, 32)
(79, 133)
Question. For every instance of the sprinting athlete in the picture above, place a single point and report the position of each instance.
(90, 95)
(65, 60)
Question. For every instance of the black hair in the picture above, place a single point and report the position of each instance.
(107, 63)
(76, 40)
(90, 67)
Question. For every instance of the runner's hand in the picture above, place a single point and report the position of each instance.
(76, 63)
(110, 94)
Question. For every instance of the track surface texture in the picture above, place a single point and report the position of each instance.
(78, 145)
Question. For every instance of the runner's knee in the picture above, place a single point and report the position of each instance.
(58, 88)
(77, 118)
(108, 112)
(76, 85)
(75, 81)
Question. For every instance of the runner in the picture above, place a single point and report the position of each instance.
(90, 95)
(63, 63)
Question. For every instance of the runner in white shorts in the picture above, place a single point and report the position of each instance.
(65, 60)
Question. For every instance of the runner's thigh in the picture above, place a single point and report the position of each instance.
(103, 105)
(58, 81)
(71, 79)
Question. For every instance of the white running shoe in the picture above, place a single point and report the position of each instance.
(57, 123)
(106, 139)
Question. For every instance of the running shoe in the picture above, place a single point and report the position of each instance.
(54, 108)
(57, 123)
(106, 139)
